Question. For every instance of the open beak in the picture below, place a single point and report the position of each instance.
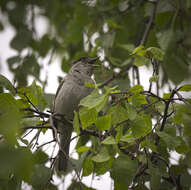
(93, 60)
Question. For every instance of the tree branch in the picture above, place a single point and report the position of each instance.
(150, 23)
(166, 110)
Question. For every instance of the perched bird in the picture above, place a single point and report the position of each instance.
(71, 90)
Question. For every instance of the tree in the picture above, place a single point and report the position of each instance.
(133, 130)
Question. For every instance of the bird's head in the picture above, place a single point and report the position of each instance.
(84, 65)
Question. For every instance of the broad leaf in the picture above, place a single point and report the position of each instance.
(4, 82)
(123, 170)
(141, 126)
(9, 117)
(131, 111)
(156, 53)
(34, 94)
(185, 88)
(121, 115)
(76, 123)
(40, 179)
(170, 141)
(102, 156)
(82, 149)
(94, 100)
(88, 166)
(103, 123)
(140, 61)
(109, 140)
(87, 117)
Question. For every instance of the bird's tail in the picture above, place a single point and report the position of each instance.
(63, 155)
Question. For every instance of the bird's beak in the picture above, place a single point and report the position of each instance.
(93, 60)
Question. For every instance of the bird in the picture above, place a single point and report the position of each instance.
(71, 90)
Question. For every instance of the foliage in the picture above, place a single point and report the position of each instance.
(133, 131)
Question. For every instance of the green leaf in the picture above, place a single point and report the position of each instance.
(185, 88)
(187, 124)
(4, 82)
(106, 40)
(88, 167)
(128, 137)
(155, 177)
(40, 157)
(103, 167)
(30, 121)
(154, 78)
(183, 147)
(103, 123)
(21, 39)
(76, 123)
(164, 38)
(49, 97)
(131, 111)
(31, 66)
(119, 134)
(140, 61)
(39, 180)
(175, 64)
(111, 23)
(166, 95)
(149, 144)
(102, 156)
(138, 49)
(128, 47)
(34, 94)
(109, 140)
(181, 112)
(17, 161)
(82, 149)
(89, 84)
(65, 65)
(121, 115)
(141, 126)
(9, 117)
(123, 170)
(87, 116)
(136, 89)
(155, 53)
(170, 141)
(138, 100)
(94, 100)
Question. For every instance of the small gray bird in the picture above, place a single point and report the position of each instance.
(71, 90)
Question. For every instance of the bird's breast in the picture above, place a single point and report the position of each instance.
(69, 97)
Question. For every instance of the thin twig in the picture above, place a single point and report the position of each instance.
(150, 23)
(37, 127)
(114, 76)
(46, 143)
(166, 110)
(42, 114)
(30, 102)
(27, 133)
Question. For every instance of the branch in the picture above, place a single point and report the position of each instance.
(115, 75)
(91, 132)
(54, 140)
(42, 114)
(166, 110)
(143, 41)
(150, 23)
(30, 102)
(37, 127)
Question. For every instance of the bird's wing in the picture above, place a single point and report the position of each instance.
(58, 89)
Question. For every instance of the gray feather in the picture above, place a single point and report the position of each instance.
(71, 90)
